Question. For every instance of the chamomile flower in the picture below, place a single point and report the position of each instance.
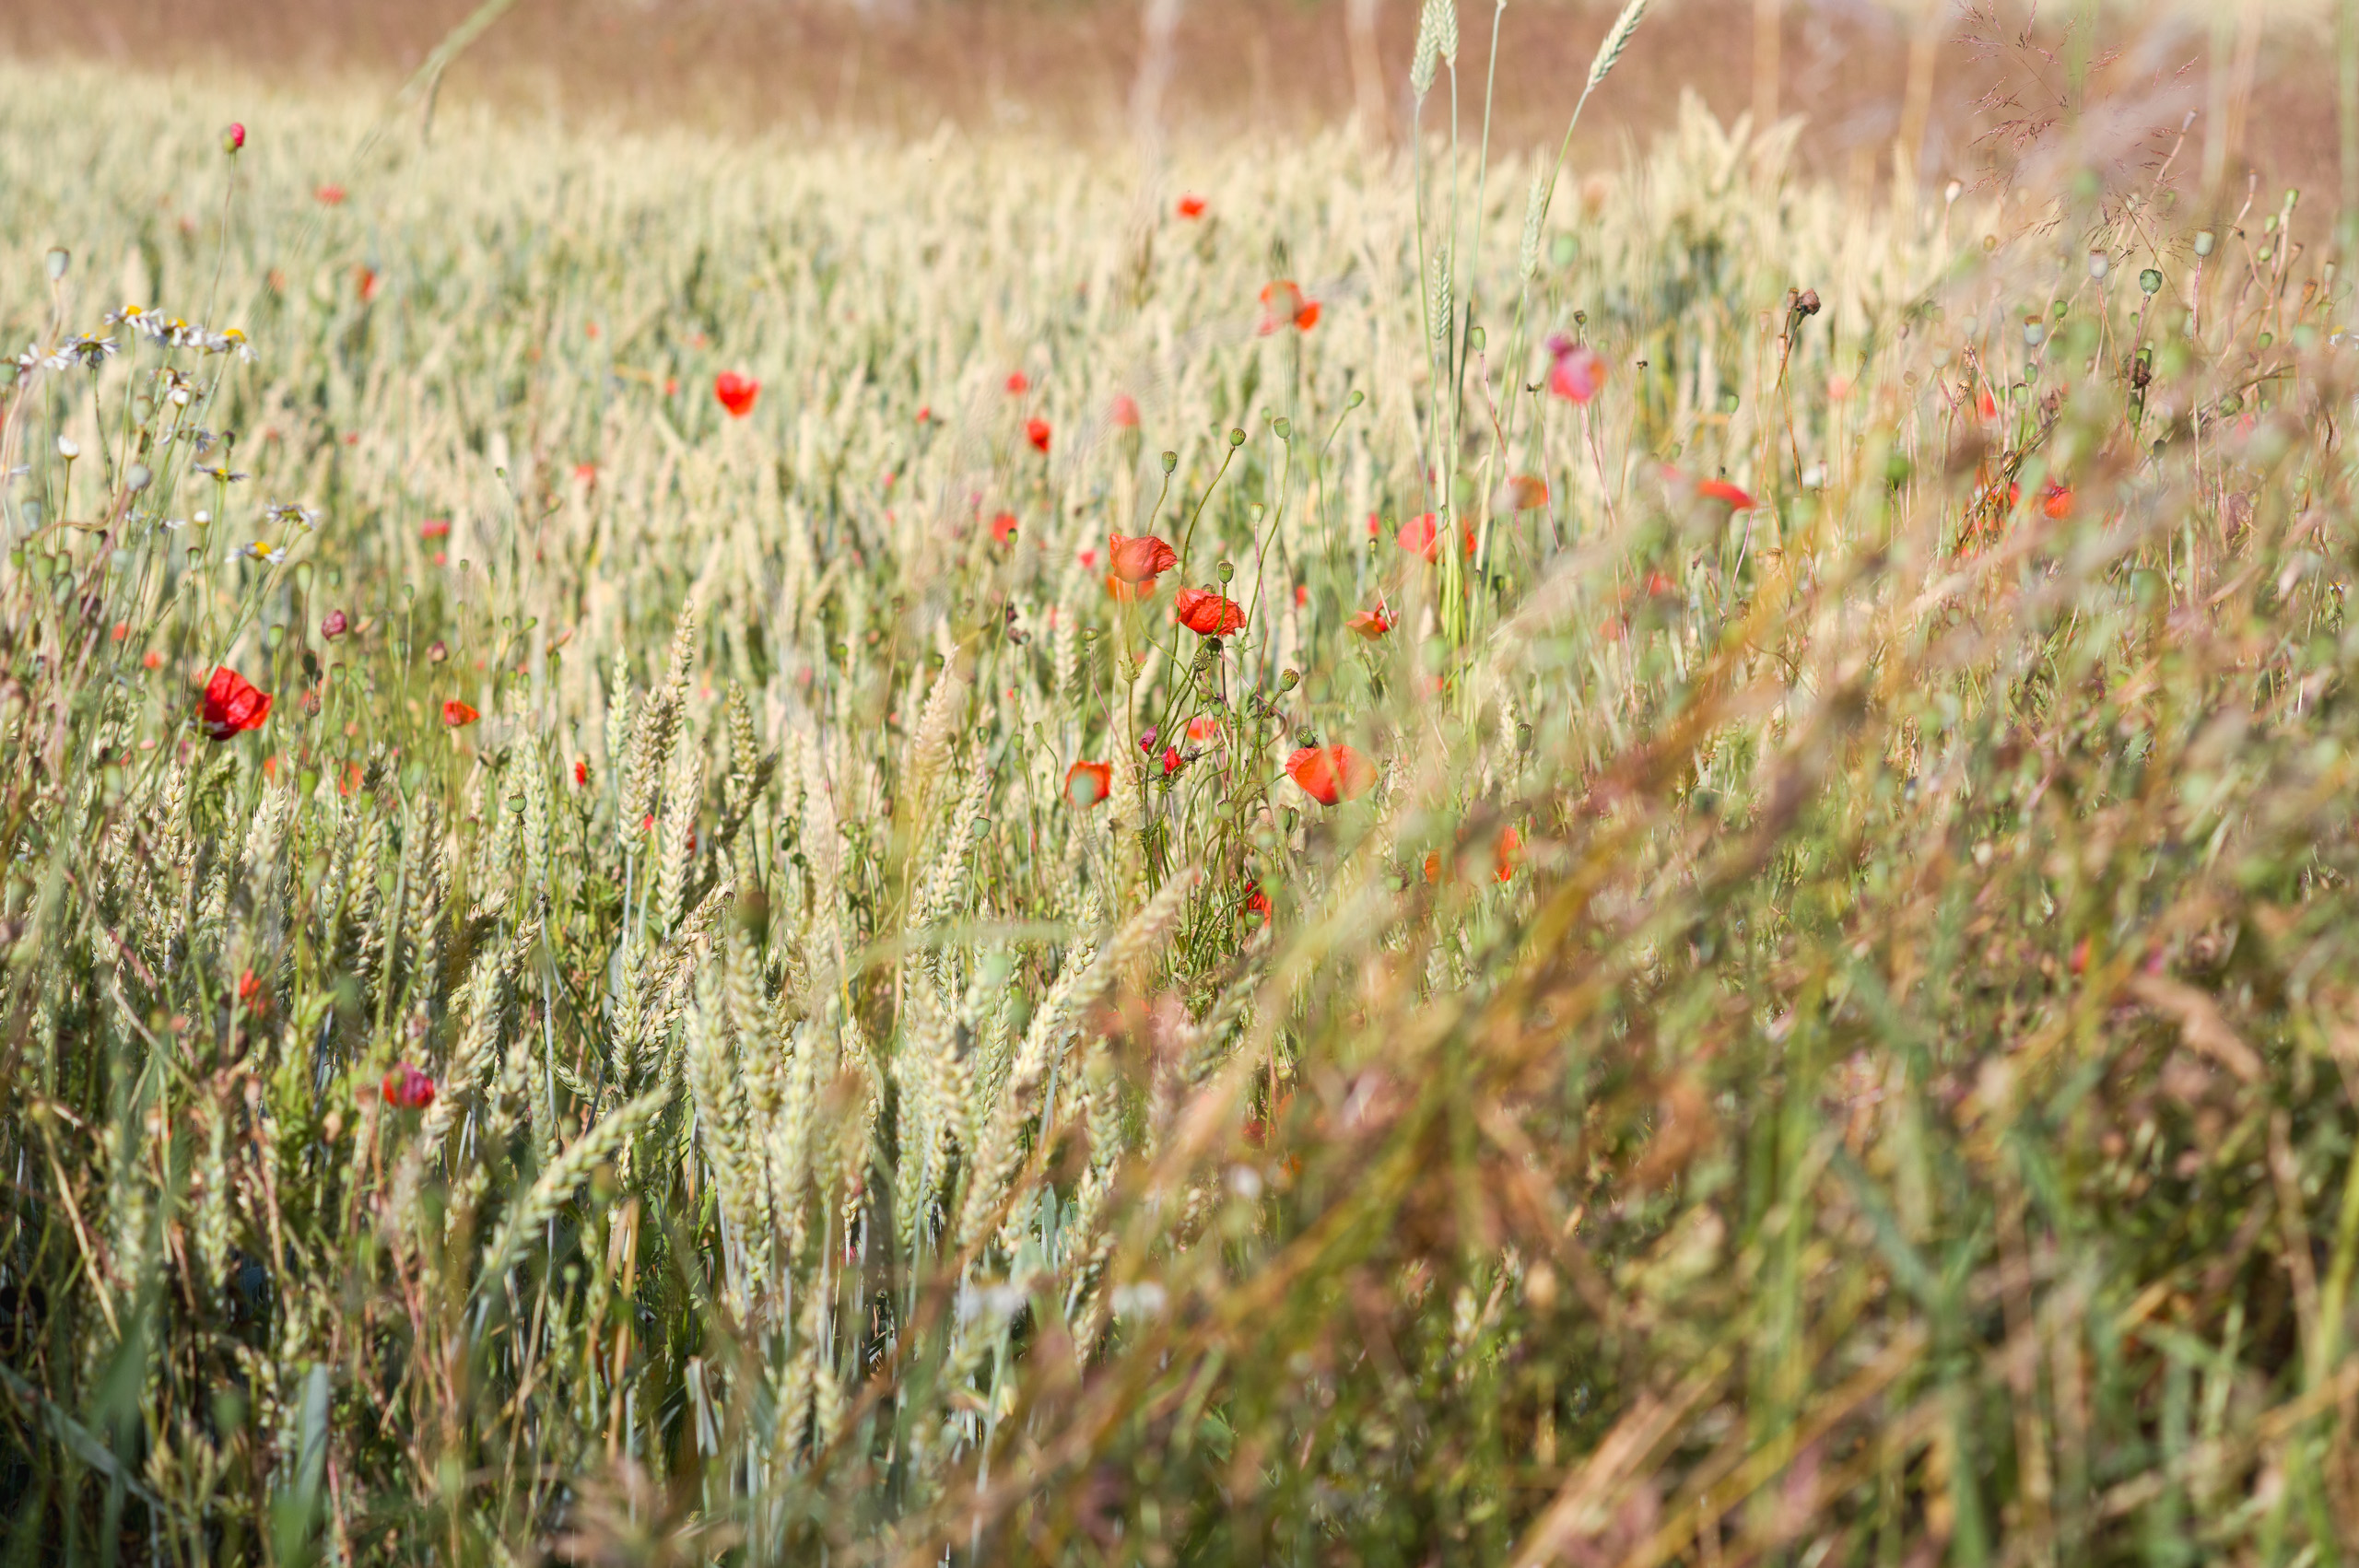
(91, 349)
(259, 551)
(220, 473)
(230, 341)
(284, 512)
(32, 358)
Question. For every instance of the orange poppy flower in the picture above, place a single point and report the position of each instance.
(2058, 502)
(1523, 493)
(364, 282)
(1129, 593)
(1142, 559)
(252, 995)
(1330, 774)
(1574, 372)
(407, 1088)
(1036, 431)
(1256, 901)
(1207, 614)
(1003, 527)
(1191, 206)
(1721, 491)
(1203, 731)
(1369, 625)
(1125, 411)
(1283, 306)
(737, 393)
(1508, 854)
(458, 715)
(1087, 783)
(232, 705)
(1421, 536)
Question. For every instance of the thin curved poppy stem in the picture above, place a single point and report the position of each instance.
(1200, 504)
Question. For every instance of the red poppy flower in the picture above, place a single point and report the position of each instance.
(365, 283)
(1523, 493)
(1508, 854)
(434, 528)
(1003, 527)
(1301, 594)
(1433, 868)
(1036, 431)
(1191, 206)
(585, 474)
(458, 715)
(1419, 537)
(251, 994)
(329, 195)
(407, 1088)
(152, 660)
(1203, 731)
(1574, 372)
(1129, 593)
(2058, 502)
(580, 772)
(1171, 759)
(1987, 406)
(1019, 382)
(1369, 625)
(737, 393)
(1125, 412)
(1207, 614)
(1374, 527)
(1660, 586)
(1142, 559)
(234, 138)
(1329, 774)
(232, 705)
(1087, 783)
(1721, 491)
(1283, 306)
(1256, 901)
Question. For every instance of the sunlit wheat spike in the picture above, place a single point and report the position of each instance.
(1440, 301)
(573, 1168)
(1617, 38)
(1437, 39)
(1535, 205)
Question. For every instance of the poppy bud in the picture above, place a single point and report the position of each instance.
(332, 625)
(1170, 461)
(234, 138)
(437, 651)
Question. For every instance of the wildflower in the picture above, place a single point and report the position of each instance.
(1506, 854)
(1369, 625)
(1330, 774)
(231, 342)
(585, 474)
(582, 773)
(88, 350)
(434, 528)
(407, 1088)
(1003, 528)
(1721, 491)
(1019, 383)
(1142, 559)
(234, 138)
(334, 625)
(1283, 306)
(1987, 406)
(1129, 593)
(1191, 207)
(231, 705)
(251, 994)
(458, 715)
(437, 651)
(364, 281)
(1125, 412)
(1256, 901)
(925, 413)
(285, 512)
(151, 660)
(1421, 536)
(329, 195)
(1576, 371)
(222, 474)
(1301, 594)
(737, 393)
(2058, 502)
(1171, 759)
(1036, 431)
(1523, 493)
(1203, 731)
(260, 550)
(1087, 783)
(1660, 586)
(1206, 614)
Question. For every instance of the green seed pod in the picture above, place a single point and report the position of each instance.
(1170, 461)
(58, 261)
(1474, 339)
(2203, 242)
(1237, 438)
(1287, 683)
(2150, 281)
(1228, 572)
(137, 477)
(1357, 398)
(1282, 427)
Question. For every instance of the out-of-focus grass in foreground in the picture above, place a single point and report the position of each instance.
(1828, 1038)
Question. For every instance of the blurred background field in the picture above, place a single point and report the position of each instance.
(1727, 935)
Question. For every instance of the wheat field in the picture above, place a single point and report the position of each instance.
(857, 850)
